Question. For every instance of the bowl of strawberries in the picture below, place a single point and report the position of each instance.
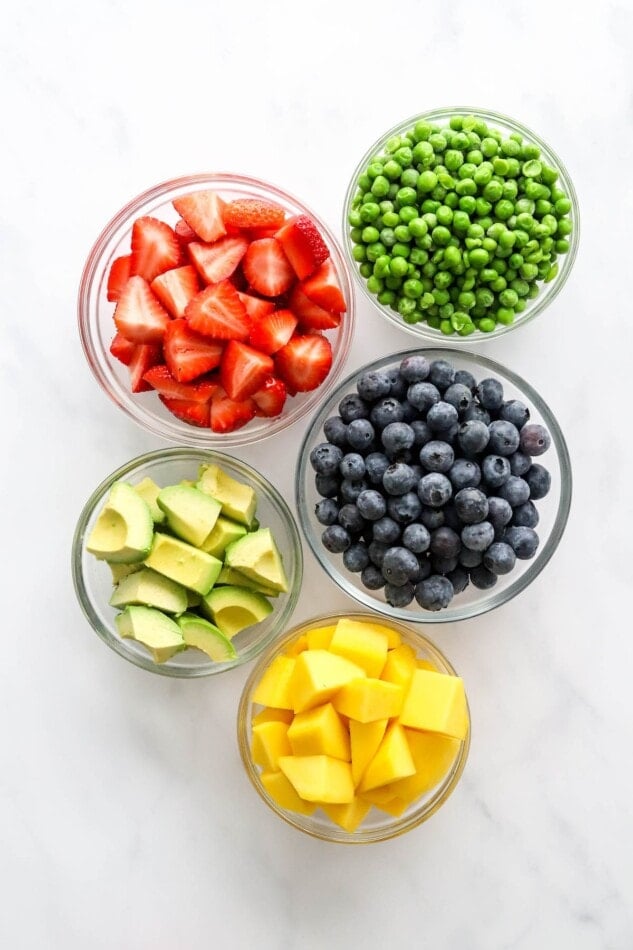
(216, 309)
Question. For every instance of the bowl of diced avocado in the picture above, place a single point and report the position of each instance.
(186, 562)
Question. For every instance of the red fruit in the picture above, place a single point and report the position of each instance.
(118, 276)
(255, 306)
(256, 233)
(267, 268)
(309, 314)
(175, 288)
(189, 354)
(304, 362)
(161, 380)
(253, 213)
(228, 414)
(155, 248)
(138, 314)
(184, 233)
(323, 289)
(122, 349)
(195, 413)
(216, 262)
(217, 311)
(145, 356)
(243, 370)
(202, 210)
(273, 331)
(271, 397)
(303, 245)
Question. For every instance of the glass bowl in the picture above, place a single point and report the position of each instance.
(96, 327)
(93, 583)
(553, 509)
(378, 826)
(547, 292)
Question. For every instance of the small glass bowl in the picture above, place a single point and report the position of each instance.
(553, 509)
(96, 327)
(93, 582)
(547, 292)
(377, 826)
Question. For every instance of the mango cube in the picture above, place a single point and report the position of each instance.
(280, 789)
(319, 778)
(320, 637)
(436, 702)
(400, 666)
(273, 688)
(426, 665)
(393, 637)
(365, 737)
(378, 796)
(320, 731)
(395, 806)
(433, 755)
(349, 816)
(299, 645)
(362, 643)
(273, 715)
(318, 675)
(366, 700)
(270, 741)
(392, 761)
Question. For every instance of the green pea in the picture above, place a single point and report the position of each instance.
(374, 285)
(440, 295)
(392, 282)
(487, 325)
(366, 270)
(505, 315)
(453, 159)
(532, 168)
(364, 182)
(452, 200)
(556, 193)
(507, 239)
(393, 144)
(390, 219)
(484, 298)
(510, 147)
(418, 227)
(489, 244)
(460, 141)
(391, 170)
(387, 237)
(467, 329)
(508, 298)
(529, 151)
(468, 204)
(356, 235)
(446, 311)
(561, 246)
(405, 196)
(459, 319)
(429, 269)
(375, 250)
(548, 175)
(564, 228)
(524, 206)
(503, 209)
(412, 289)
(381, 266)
(489, 147)
(442, 279)
(380, 186)
(430, 206)
(425, 243)
(444, 215)
(466, 187)
(493, 190)
(398, 266)
(406, 306)
(452, 257)
(409, 178)
(423, 154)
(438, 193)
(403, 156)
(562, 206)
(498, 284)
(467, 170)
(408, 213)
(528, 271)
(535, 191)
(500, 166)
(426, 182)
(475, 156)
(386, 298)
(525, 222)
(402, 233)
(413, 271)
(520, 307)
(466, 300)
(483, 175)
(438, 141)
(369, 212)
(428, 284)
(521, 238)
(514, 168)
(359, 253)
(430, 218)
(421, 130)
(478, 258)
(446, 327)
(551, 274)
(543, 207)
(456, 122)
(400, 249)
(520, 287)
(354, 218)
(370, 234)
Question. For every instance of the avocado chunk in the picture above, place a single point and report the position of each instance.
(224, 532)
(238, 500)
(205, 636)
(159, 633)
(148, 490)
(119, 571)
(190, 513)
(257, 556)
(228, 575)
(183, 563)
(124, 529)
(151, 589)
(193, 599)
(234, 608)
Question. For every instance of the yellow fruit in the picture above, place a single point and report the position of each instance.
(362, 643)
(319, 778)
(273, 688)
(400, 666)
(280, 789)
(378, 796)
(433, 756)
(395, 806)
(366, 700)
(436, 702)
(299, 645)
(320, 637)
(426, 665)
(270, 741)
(319, 675)
(319, 731)
(392, 761)
(273, 715)
(365, 738)
(349, 816)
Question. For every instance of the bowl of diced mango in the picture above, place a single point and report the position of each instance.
(353, 728)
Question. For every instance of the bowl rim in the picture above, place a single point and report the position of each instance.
(93, 274)
(421, 331)
(261, 483)
(535, 566)
(335, 835)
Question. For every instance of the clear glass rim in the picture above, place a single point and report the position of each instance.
(176, 431)
(549, 292)
(398, 826)
(262, 484)
(535, 567)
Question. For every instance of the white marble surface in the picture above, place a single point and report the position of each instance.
(125, 818)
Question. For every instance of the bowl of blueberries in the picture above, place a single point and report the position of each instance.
(433, 485)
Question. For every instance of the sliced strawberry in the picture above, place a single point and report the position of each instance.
(271, 397)
(323, 289)
(303, 245)
(273, 331)
(267, 268)
(256, 233)
(122, 349)
(255, 306)
(118, 276)
(218, 312)
(202, 210)
(189, 354)
(175, 288)
(187, 410)
(228, 414)
(138, 315)
(163, 382)
(253, 213)
(184, 233)
(145, 356)
(216, 262)
(304, 362)
(243, 370)
(309, 314)
(155, 248)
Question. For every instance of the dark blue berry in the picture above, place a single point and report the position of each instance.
(451, 518)
(386, 530)
(350, 490)
(425, 568)
(495, 470)
(404, 508)
(516, 491)
(376, 464)
(415, 369)
(478, 537)
(445, 542)
(335, 431)
(459, 579)
(482, 578)
(470, 559)
(350, 518)
(409, 412)
(398, 384)
(499, 512)
(442, 374)
(326, 511)
(539, 480)
(360, 434)
(437, 456)
(399, 479)
(434, 593)
(373, 385)
(399, 566)
(499, 558)
(525, 515)
(434, 489)
(444, 565)
(352, 407)
(523, 541)
(327, 485)
(473, 437)
(371, 504)
(535, 439)
(356, 557)
(352, 466)
(504, 437)
(476, 413)
(385, 411)
(519, 463)
(464, 474)
(399, 597)
(396, 437)
(466, 379)
(422, 433)
(336, 539)
(442, 416)
(325, 458)
(516, 412)
(377, 551)
(423, 395)
(416, 538)
(371, 577)
(489, 392)
(431, 518)
(458, 396)
(471, 505)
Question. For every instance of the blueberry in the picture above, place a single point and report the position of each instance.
(423, 396)
(431, 518)
(422, 433)
(437, 456)
(478, 537)
(425, 569)
(399, 596)
(499, 512)
(459, 579)
(434, 593)
(539, 480)
(398, 384)
(516, 412)
(535, 439)
(434, 489)
(450, 435)
(417, 470)
(523, 541)
(444, 565)
(470, 559)
(415, 369)
(371, 504)
(471, 505)
(495, 470)
(373, 385)
(516, 490)
(519, 463)
(489, 392)
(499, 558)
(445, 542)
(396, 437)
(404, 508)
(451, 518)
(325, 458)
(356, 557)
(377, 551)
(442, 374)
(466, 379)
(326, 511)
(336, 539)
(458, 396)
(385, 411)
(442, 416)
(416, 538)
(360, 434)
(326, 485)
(409, 412)
(352, 466)
(371, 577)
(386, 530)
(475, 413)
(473, 437)
(482, 578)
(398, 479)
(350, 518)
(399, 566)
(525, 515)
(350, 490)
(464, 474)
(335, 431)
(352, 407)
(376, 464)
(504, 437)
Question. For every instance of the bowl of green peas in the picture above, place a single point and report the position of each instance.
(460, 223)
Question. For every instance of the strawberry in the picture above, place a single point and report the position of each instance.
(216, 262)
(138, 314)
(118, 276)
(228, 414)
(271, 397)
(303, 245)
(322, 288)
(218, 312)
(243, 370)
(163, 382)
(255, 306)
(267, 268)
(273, 331)
(189, 354)
(175, 288)
(309, 314)
(145, 356)
(304, 362)
(122, 349)
(155, 248)
(202, 210)
(187, 410)
(256, 233)
(253, 213)
(184, 233)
